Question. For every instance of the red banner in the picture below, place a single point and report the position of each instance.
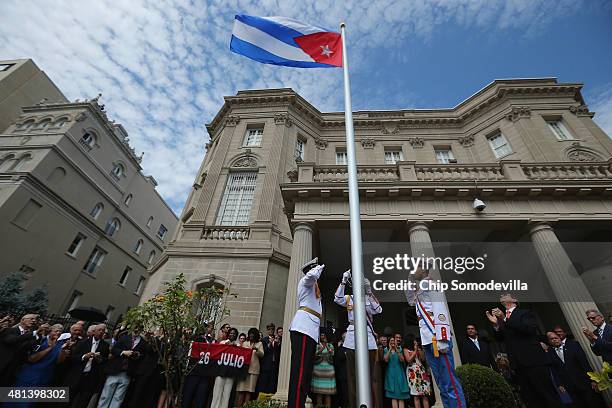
(213, 359)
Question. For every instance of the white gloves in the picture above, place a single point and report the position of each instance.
(368, 287)
(346, 276)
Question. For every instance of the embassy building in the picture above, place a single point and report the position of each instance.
(272, 193)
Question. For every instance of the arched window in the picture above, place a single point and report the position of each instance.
(28, 124)
(44, 124)
(149, 222)
(56, 175)
(88, 140)
(118, 170)
(95, 212)
(138, 246)
(128, 199)
(60, 122)
(151, 257)
(112, 227)
(7, 161)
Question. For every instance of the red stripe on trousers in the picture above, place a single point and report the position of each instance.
(452, 378)
(299, 384)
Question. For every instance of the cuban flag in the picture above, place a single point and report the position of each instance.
(284, 41)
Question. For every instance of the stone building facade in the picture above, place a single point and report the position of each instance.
(272, 193)
(76, 212)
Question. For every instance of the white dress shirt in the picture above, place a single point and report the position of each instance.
(304, 322)
(94, 347)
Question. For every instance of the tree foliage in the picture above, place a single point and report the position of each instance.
(485, 388)
(15, 302)
(177, 316)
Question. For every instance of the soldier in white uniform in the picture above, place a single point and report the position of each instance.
(436, 339)
(304, 334)
(373, 307)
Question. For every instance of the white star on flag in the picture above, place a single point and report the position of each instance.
(325, 50)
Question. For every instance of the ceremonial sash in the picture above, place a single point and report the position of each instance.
(429, 323)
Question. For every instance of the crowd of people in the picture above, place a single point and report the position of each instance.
(121, 369)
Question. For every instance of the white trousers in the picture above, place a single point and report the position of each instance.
(221, 392)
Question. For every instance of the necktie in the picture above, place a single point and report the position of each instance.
(508, 313)
(477, 344)
(599, 330)
(560, 353)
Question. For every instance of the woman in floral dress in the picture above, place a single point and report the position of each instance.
(418, 377)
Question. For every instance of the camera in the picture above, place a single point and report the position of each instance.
(479, 205)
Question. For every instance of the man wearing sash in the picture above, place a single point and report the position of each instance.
(304, 334)
(373, 307)
(436, 338)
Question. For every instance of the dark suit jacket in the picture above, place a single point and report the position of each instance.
(119, 363)
(14, 347)
(573, 373)
(269, 359)
(78, 365)
(603, 346)
(519, 334)
(471, 355)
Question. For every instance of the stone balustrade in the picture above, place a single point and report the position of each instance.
(512, 170)
(225, 233)
(568, 171)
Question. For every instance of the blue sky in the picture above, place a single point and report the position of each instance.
(164, 67)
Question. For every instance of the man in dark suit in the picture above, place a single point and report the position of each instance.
(15, 343)
(127, 352)
(517, 328)
(571, 366)
(269, 361)
(85, 373)
(475, 350)
(601, 337)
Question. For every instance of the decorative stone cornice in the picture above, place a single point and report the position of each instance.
(467, 140)
(320, 144)
(518, 112)
(232, 120)
(417, 142)
(582, 110)
(283, 119)
(368, 143)
(389, 128)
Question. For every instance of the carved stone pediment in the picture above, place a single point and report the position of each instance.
(283, 119)
(80, 117)
(245, 161)
(417, 142)
(389, 128)
(467, 141)
(368, 143)
(321, 144)
(518, 112)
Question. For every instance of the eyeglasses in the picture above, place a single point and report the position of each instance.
(592, 317)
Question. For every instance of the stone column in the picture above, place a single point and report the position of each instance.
(565, 282)
(301, 252)
(420, 244)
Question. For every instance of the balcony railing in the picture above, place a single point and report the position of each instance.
(410, 171)
(225, 233)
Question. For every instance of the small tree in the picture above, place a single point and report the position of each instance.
(36, 301)
(178, 315)
(11, 298)
(603, 378)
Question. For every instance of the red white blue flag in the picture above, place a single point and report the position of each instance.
(284, 41)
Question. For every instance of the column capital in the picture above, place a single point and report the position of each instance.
(418, 225)
(303, 225)
(536, 225)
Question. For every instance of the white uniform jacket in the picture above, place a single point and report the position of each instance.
(372, 308)
(430, 305)
(303, 321)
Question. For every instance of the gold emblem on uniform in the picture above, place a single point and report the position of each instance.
(441, 317)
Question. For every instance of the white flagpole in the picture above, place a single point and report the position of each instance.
(361, 335)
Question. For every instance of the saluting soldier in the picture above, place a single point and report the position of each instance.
(373, 307)
(436, 339)
(304, 334)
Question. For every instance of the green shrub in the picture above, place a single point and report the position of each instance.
(265, 403)
(485, 388)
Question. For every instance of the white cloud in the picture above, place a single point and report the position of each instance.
(164, 67)
(602, 106)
